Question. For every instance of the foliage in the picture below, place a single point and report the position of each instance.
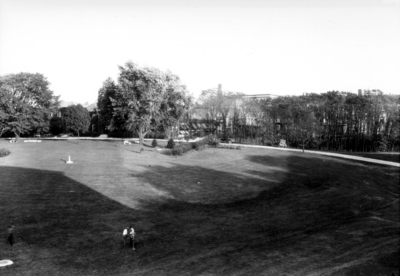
(154, 143)
(26, 103)
(171, 144)
(76, 118)
(56, 125)
(106, 109)
(187, 147)
(4, 152)
(213, 141)
(334, 120)
(183, 148)
(225, 146)
(195, 146)
(218, 104)
(147, 99)
(177, 150)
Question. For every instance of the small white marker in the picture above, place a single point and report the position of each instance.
(6, 262)
(69, 160)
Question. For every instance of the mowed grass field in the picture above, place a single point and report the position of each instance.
(212, 212)
(386, 156)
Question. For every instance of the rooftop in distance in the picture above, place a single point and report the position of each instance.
(260, 96)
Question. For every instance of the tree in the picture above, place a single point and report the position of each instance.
(250, 120)
(219, 103)
(306, 125)
(105, 106)
(147, 99)
(56, 125)
(174, 103)
(76, 119)
(26, 103)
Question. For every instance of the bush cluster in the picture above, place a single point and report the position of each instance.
(4, 152)
(154, 143)
(181, 149)
(187, 147)
(177, 150)
(213, 141)
(229, 146)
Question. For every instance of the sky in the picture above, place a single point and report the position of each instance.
(281, 47)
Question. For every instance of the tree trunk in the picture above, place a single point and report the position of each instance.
(141, 133)
(17, 135)
(224, 126)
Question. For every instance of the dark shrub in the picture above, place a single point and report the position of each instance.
(154, 143)
(122, 134)
(171, 144)
(56, 125)
(4, 152)
(195, 146)
(182, 148)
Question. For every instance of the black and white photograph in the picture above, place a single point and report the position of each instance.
(200, 137)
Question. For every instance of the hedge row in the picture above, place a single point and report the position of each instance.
(222, 146)
(187, 147)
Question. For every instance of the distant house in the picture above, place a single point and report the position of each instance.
(260, 96)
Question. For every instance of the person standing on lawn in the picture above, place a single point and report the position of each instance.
(129, 233)
(10, 236)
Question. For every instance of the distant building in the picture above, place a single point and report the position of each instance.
(67, 103)
(260, 96)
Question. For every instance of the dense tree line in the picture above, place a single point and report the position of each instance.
(368, 121)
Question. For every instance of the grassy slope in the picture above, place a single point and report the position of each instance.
(226, 212)
(387, 156)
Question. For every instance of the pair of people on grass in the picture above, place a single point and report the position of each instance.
(129, 236)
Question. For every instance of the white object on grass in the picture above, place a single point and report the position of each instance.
(6, 262)
(69, 160)
(127, 142)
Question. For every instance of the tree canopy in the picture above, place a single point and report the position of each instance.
(333, 120)
(105, 106)
(76, 119)
(26, 103)
(218, 103)
(147, 98)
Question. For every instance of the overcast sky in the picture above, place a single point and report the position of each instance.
(250, 46)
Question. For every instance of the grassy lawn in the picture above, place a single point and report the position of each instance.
(213, 212)
(388, 156)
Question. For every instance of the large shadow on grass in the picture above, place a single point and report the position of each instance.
(212, 222)
(62, 226)
(349, 211)
(327, 217)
